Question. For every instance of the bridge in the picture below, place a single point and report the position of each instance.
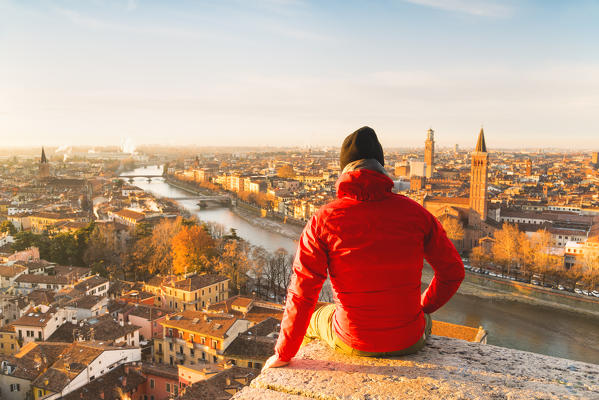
(140, 176)
(202, 198)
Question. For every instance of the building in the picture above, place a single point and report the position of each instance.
(44, 167)
(528, 167)
(93, 286)
(122, 382)
(220, 386)
(196, 337)
(252, 348)
(479, 179)
(162, 382)
(40, 322)
(595, 158)
(188, 293)
(417, 168)
(53, 370)
(471, 213)
(429, 152)
(101, 329)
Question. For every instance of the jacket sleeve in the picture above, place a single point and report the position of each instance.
(309, 273)
(442, 255)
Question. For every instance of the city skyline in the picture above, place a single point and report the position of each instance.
(298, 73)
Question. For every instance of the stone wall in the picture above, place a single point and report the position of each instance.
(445, 369)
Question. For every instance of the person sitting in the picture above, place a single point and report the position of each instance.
(371, 242)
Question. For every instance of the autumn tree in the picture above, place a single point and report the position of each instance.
(479, 257)
(454, 229)
(160, 246)
(505, 247)
(234, 263)
(286, 171)
(192, 250)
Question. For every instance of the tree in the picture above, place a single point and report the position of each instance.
(259, 261)
(104, 249)
(454, 229)
(7, 226)
(479, 257)
(235, 264)
(192, 249)
(160, 245)
(286, 171)
(277, 273)
(544, 261)
(505, 247)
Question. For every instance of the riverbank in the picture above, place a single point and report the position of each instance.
(289, 231)
(474, 285)
(482, 287)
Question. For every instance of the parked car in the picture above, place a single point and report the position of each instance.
(595, 293)
(534, 282)
(560, 287)
(578, 291)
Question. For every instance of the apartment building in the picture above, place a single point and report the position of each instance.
(188, 293)
(197, 337)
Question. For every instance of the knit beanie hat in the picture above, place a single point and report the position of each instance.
(363, 143)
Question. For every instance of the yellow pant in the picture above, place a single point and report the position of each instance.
(321, 327)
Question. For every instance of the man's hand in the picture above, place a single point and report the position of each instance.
(274, 362)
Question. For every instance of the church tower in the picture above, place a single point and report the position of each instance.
(44, 167)
(478, 180)
(429, 152)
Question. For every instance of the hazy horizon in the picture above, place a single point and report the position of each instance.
(298, 73)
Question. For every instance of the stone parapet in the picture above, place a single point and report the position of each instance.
(445, 369)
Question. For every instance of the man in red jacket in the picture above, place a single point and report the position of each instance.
(372, 243)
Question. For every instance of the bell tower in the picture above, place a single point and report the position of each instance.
(429, 152)
(44, 167)
(479, 180)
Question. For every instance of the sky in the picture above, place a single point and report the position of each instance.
(299, 72)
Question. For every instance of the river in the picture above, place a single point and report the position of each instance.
(509, 324)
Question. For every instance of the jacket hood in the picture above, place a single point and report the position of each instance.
(364, 179)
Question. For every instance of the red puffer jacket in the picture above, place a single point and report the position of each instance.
(372, 243)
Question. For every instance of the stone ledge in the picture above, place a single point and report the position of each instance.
(445, 369)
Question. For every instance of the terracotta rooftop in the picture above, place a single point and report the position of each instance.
(111, 386)
(210, 324)
(197, 282)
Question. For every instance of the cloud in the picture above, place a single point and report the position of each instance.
(484, 8)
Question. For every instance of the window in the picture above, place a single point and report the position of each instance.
(249, 364)
(191, 352)
(214, 344)
(170, 346)
(15, 387)
(258, 366)
(160, 347)
(191, 337)
(152, 383)
(168, 387)
(40, 393)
